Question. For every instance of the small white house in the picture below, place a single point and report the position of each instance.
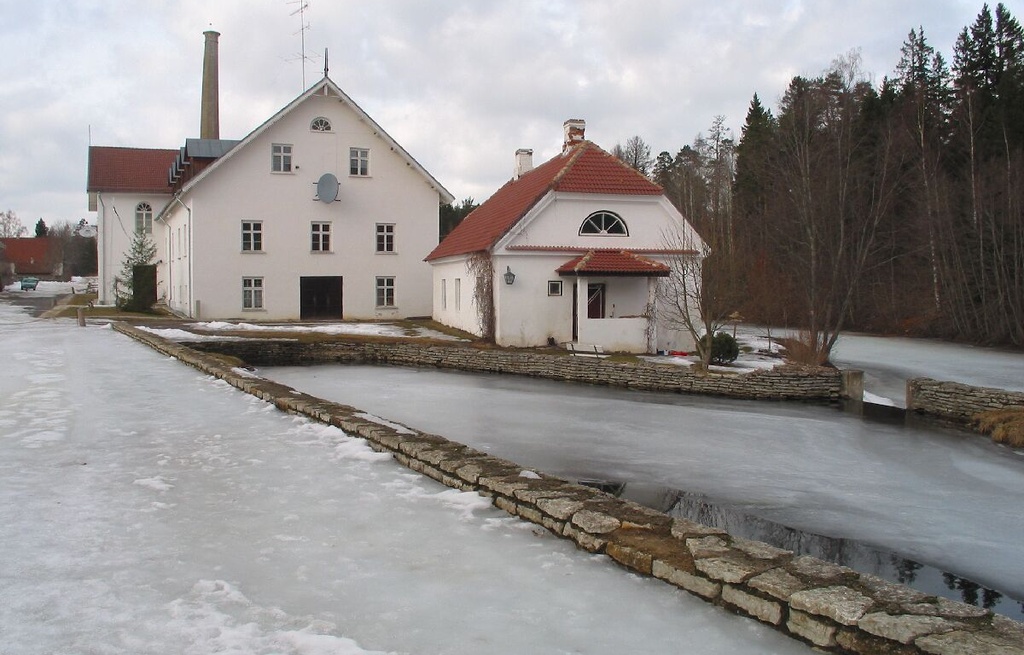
(573, 250)
(316, 214)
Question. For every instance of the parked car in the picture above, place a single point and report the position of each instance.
(29, 283)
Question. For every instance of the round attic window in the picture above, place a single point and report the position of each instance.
(604, 223)
(320, 124)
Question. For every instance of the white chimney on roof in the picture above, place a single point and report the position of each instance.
(574, 129)
(524, 162)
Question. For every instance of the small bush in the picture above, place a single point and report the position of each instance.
(1005, 426)
(724, 349)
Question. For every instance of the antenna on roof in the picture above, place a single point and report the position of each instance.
(303, 27)
(325, 62)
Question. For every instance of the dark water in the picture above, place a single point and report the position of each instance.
(845, 552)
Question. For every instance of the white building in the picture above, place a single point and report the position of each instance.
(316, 214)
(573, 250)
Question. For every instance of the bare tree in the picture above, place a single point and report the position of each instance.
(10, 225)
(835, 179)
(636, 154)
(703, 289)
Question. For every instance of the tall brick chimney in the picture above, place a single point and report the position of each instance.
(209, 117)
(575, 129)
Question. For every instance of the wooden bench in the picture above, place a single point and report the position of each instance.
(585, 350)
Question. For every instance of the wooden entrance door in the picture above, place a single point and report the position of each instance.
(595, 301)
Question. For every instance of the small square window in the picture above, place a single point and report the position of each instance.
(554, 287)
(252, 236)
(321, 237)
(252, 293)
(385, 292)
(359, 161)
(385, 237)
(281, 158)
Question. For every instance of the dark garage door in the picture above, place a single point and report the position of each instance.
(320, 297)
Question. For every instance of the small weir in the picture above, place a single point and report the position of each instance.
(845, 552)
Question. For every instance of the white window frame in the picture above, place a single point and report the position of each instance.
(280, 158)
(458, 294)
(385, 238)
(444, 293)
(252, 293)
(359, 162)
(252, 236)
(385, 291)
(320, 236)
(554, 287)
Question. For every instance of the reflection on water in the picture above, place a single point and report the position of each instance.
(860, 557)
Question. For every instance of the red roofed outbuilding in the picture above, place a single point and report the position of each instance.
(569, 251)
(30, 256)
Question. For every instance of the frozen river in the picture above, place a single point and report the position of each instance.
(938, 497)
(149, 509)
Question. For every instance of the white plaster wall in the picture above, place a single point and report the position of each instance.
(652, 221)
(244, 188)
(456, 306)
(176, 248)
(115, 216)
(525, 314)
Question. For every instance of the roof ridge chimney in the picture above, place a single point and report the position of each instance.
(574, 129)
(209, 117)
(524, 162)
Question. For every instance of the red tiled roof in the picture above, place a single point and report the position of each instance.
(139, 170)
(613, 262)
(30, 256)
(584, 168)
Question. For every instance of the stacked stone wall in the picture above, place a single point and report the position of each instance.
(780, 383)
(957, 402)
(834, 608)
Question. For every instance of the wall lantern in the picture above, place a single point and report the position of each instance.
(509, 276)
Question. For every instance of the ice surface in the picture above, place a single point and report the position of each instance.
(146, 508)
(938, 496)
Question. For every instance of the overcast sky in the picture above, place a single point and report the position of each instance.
(459, 83)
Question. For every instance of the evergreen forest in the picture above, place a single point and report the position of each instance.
(894, 207)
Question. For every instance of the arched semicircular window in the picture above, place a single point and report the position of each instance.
(604, 223)
(144, 218)
(320, 124)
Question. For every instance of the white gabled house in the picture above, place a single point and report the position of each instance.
(573, 250)
(316, 214)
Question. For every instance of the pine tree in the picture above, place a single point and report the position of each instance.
(142, 252)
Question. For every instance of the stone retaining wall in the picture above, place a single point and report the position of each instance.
(957, 402)
(832, 607)
(780, 383)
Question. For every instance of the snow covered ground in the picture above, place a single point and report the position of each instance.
(146, 508)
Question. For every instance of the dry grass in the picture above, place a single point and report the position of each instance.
(1005, 426)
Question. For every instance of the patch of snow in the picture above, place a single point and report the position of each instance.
(175, 334)
(363, 329)
(397, 427)
(878, 400)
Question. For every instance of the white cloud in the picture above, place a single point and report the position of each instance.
(460, 83)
